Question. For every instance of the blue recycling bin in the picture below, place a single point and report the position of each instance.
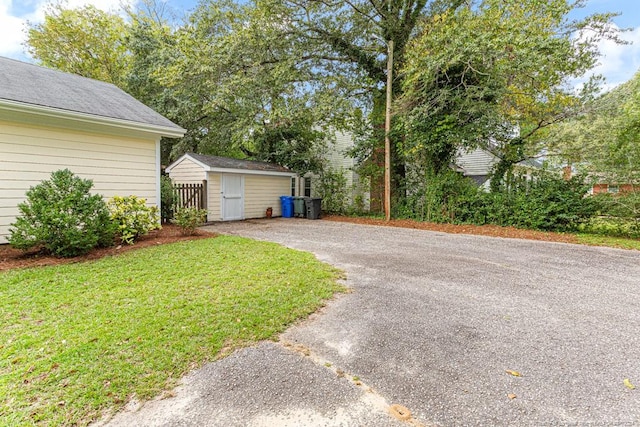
(287, 206)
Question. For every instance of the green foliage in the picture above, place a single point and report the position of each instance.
(495, 70)
(94, 334)
(436, 197)
(618, 215)
(543, 202)
(85, 41)
(332, 187)
(133, 218)
(168, 198)
(62, 216)
(188, 219)
(605, 140)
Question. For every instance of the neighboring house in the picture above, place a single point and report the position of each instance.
(477, 164)
(614, 188)
(338, 160)
(235, 189)
(50, 120)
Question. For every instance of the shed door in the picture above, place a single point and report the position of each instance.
(232, 197)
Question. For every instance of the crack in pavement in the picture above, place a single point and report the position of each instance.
(370, 396)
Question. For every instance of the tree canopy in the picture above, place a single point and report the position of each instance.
(273, 79)
(496, 74)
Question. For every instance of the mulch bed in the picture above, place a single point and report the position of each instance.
(482, 230)
(14, 258)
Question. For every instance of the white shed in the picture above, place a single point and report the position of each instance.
(50, 120)
(236, 189)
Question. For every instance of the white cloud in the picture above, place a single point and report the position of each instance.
(13, 24)
(12, 31)
(619, 62)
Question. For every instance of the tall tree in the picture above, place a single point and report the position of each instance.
(496, 72)
(347, 43)
(86, 41)
(604, 141)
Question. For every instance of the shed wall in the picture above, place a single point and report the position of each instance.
(262, 191)
(187, 172)
(28, 154)
(213, 197)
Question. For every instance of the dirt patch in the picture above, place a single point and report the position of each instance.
(13, 258)
(482, 230)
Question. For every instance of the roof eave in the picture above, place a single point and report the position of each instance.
(251, 172)
(208, 168)
(21, 107)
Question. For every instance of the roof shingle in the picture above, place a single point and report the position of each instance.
(229, 163)
(35, 85)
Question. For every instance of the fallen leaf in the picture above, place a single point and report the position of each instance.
(511, 396)
(628, 384)
(514, 373)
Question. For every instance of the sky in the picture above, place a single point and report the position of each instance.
(618, 62)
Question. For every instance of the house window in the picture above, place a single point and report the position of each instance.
(307, 187)
(293, 186)
(612, 189)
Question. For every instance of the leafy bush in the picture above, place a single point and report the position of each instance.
(133, 217)
(618, 215)
(332, 187)
(545, 202)
(62, 216)
(437, 197)
(188, 219)
(168, 198)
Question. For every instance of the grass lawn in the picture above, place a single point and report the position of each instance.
(614, 242)
(80, 338)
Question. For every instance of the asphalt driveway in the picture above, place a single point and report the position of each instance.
(461, 330)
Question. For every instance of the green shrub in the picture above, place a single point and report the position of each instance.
(332, 187)
(168, 198)
(618, 215)
(545, 202)
(188, 219)
(443, 197)
(133, 217)
(63, 217)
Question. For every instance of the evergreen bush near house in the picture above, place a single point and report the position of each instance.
(618, 215)
(133, 218)
(188, 219)
(543, 202)
(168, 198)
(63, 217)
(332, 187)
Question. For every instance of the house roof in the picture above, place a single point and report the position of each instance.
(227, 164)
(46, 89)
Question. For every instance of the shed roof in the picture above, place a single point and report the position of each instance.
(38, 86)
(216, 163)
(229, 163)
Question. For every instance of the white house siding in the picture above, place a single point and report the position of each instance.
(339, 159)
(214, 182)
(28, 154)
(263, 191)
(476, 162)
(188, 172)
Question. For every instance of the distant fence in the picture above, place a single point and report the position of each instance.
(187, 196)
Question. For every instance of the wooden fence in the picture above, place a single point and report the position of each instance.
(187, 196)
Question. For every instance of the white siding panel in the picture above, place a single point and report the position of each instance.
(28, 154)
(187, 172)
(213, 196)
(476, 162)
(261, 192)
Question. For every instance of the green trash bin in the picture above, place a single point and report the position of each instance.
(314, 205)
(298, 207)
